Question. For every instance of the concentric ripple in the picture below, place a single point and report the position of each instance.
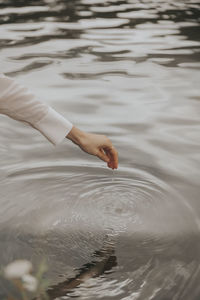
(75, 210)
(93, 199)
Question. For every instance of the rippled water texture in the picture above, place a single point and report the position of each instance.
(128, 69)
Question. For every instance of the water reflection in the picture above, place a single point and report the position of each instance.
(104, 261)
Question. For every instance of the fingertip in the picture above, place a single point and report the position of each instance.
(112, 154)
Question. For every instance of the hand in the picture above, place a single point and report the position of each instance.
(95, 144)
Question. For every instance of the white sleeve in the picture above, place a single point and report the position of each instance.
(18, 103)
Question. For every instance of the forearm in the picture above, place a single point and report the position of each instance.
(18, 103)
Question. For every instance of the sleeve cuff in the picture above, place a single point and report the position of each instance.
(54, 126)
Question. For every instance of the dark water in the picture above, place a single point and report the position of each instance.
(128, 69)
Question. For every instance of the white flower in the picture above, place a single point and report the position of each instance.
(17, 269)
(30, 283)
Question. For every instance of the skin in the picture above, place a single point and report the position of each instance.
(95, 144)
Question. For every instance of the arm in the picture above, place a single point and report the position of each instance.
(19, 104)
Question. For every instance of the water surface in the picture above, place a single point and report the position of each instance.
(130, 70)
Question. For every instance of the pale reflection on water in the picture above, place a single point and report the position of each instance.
(128, 69)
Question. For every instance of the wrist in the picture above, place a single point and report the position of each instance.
(76, 135)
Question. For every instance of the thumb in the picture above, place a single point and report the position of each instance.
(102, 156)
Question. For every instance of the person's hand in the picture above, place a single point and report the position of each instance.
(95, 144)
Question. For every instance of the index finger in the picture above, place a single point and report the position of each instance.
(113, 155)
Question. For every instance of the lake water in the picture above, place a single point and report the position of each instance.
(128, 69)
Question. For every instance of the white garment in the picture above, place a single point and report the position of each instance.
(18, 103)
